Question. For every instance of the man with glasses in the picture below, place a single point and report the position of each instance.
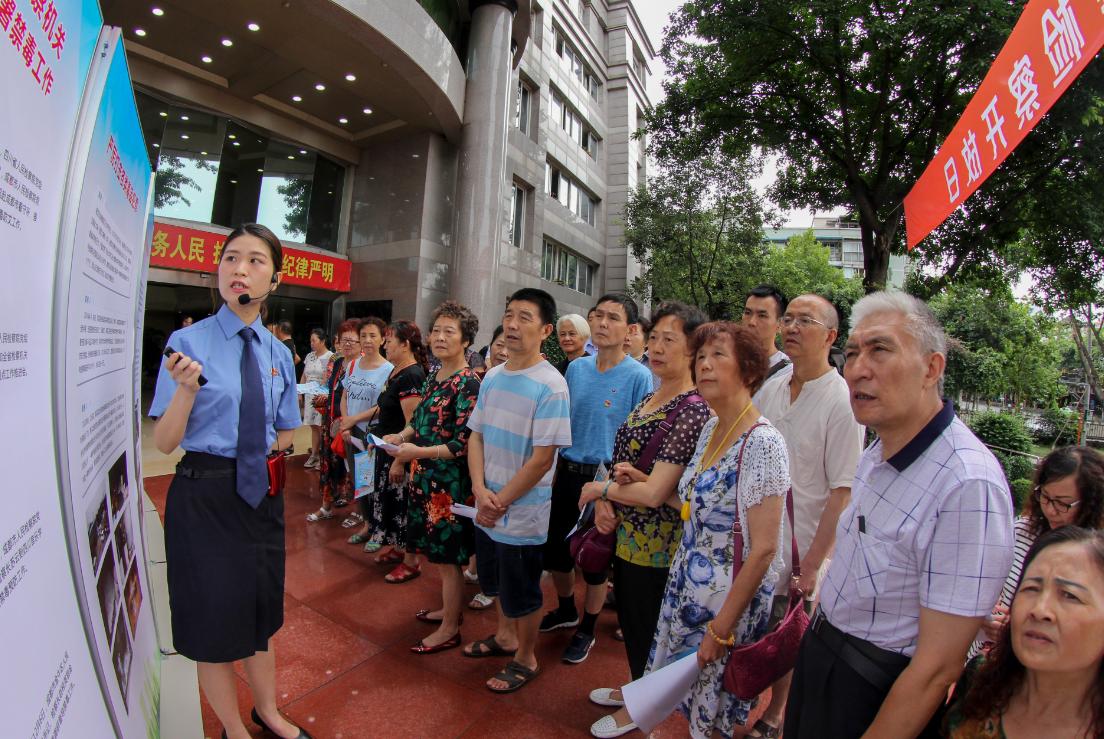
(922, 549)
(763, 308)
(811, 406)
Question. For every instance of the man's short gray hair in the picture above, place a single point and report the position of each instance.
(578, 322)
(922, 324)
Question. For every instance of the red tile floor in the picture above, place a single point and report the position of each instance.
(344, 669)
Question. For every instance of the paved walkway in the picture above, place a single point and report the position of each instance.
(344, 669)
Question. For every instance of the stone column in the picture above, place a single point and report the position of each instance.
(482, 174)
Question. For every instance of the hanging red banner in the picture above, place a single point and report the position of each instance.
(180, 247)
(1052, 42)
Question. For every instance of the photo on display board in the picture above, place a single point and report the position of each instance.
(132, 592)
(123, 548)
(121, 653)
(118, 484)
(108, 589)
(99, 529)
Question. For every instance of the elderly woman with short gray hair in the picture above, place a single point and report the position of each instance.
(573, 332)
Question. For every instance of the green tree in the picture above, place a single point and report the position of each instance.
(697, 230)
(296, 193)
(856, 98)
(171, 182)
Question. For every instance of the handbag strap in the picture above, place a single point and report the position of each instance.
(665, 427)
(737, 524)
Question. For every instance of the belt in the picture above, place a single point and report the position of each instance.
(578, 468)
(879, 667)
(195, 474)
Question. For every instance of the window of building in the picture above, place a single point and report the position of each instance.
(562, 187)
(516, 228)
(523, 107)
(564, 267)
(212, 169)
(638, 66)
(576, 128)
(574, 64)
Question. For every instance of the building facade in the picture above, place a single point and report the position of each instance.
(845, 251)
(404, 151)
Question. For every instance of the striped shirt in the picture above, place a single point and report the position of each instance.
(930, 527)
(516, 411)
(1025, 538)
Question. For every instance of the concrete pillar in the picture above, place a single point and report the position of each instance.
(482, 172)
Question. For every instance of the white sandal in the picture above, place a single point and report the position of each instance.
(607, 728)
(602, 696)
(320, 515)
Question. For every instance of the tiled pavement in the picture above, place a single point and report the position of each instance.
(344, 669)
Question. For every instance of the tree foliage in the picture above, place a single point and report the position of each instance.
(697, 230)
(856, 98)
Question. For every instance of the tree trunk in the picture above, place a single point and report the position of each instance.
(1086, 359)
(875, 258)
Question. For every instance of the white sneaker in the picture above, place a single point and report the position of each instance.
(602, 696)
(311, 461)
(606, 727)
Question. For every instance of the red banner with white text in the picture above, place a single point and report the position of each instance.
(1052, 42)
(179, 247)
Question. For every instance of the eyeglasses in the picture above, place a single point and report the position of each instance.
(801, 322)
(1060, 506)
(350, 342)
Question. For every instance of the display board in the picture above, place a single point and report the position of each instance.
(45, 55)
(101, 262)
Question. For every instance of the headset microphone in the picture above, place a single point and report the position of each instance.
(246, 299)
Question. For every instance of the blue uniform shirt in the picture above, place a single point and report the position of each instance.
(600, 403)
(214, 343)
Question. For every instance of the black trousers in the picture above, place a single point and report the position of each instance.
(829, 698)
(639, 592)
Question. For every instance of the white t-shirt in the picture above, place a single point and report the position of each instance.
(824, 442)
(785, 371)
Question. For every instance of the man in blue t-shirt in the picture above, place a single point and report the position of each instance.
(604, 389)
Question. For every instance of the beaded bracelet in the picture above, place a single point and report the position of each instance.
(730, 642)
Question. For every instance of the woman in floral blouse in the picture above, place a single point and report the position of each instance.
(648, 530)
(436, 441)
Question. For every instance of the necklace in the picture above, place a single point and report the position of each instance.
(708, 461)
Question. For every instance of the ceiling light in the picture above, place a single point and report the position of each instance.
(233, 182)
(206, 59)
(253, 27)
(416, 156)
(227, 43)
(320, 87)
(302, 151)
(237, 143)
(367, 111)
(350, 77)
(260, 170)
(157, 11)
(157, 146)
(139, 32)
(343, 121)
(291, 156)
(297, 98)
(184, 136)
(203, 153)
(183, 117)
(163, 114)
(231, 137)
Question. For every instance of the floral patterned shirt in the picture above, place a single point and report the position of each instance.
(649, 536)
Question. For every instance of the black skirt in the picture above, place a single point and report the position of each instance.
(225, 563)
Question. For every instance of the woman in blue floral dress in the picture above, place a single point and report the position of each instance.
(704, 610)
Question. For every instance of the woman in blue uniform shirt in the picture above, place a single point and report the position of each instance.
(224, 535)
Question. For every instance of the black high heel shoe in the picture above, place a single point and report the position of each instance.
(260, 722)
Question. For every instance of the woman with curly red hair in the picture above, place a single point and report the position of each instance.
(434, 445)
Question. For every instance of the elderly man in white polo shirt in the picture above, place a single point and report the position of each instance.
(921, 550)
(811, 407)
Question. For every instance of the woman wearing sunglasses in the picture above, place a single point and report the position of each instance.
(1068, 490)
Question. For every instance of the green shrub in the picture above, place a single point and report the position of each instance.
(1057, 426)
(1021, 489)
(1006, 434)
(551, 347)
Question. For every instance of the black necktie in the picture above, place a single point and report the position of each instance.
(252, 467)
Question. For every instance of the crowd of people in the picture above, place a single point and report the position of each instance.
(727, 476)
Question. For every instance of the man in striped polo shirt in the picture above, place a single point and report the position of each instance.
(521, 419)
(922, 550)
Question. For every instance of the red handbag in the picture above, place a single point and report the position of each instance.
(277, 472)
(752, 668)
(338, 445)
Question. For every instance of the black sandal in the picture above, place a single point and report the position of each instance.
(515, 675)
(488, 647)
(765, 730)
